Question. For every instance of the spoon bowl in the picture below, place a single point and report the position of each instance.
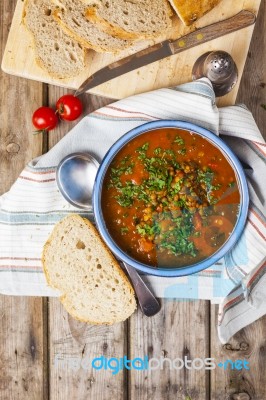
(75, 178)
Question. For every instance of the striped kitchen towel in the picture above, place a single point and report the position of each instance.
(34, 204)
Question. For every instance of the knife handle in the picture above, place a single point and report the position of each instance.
(241, 20)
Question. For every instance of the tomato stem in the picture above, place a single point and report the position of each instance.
(61, 108)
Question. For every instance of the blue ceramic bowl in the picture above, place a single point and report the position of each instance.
(242, 186)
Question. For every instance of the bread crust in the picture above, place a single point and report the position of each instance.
(117, 31)
(82, 41)
(113, 30)
(113, 261)
(87, 43)
(190, 11)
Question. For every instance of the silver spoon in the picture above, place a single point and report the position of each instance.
(75, 178)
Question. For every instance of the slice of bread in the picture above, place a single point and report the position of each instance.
(76, 262)
(190, 10)
(70, 14)
(59, 54)
(134, 19)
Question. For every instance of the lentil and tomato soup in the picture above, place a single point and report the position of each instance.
(162, 198)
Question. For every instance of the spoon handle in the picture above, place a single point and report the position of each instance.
(148, 303)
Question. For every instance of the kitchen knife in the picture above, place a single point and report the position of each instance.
(167, 48)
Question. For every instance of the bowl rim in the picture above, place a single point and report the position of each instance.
(242, 184)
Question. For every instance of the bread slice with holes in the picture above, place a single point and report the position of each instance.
(58, 53)
(70, 14)
(190, 11)
(134, 19)
(76, 262)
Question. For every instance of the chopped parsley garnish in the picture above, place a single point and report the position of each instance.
(182, 151)
(179, 140)
(125, 167)
(142, 150)
(157, 151)
(127, 194)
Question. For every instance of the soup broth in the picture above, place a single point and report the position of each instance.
(170, 198)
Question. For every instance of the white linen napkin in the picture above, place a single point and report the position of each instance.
(34, 204)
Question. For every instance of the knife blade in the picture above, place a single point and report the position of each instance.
(168, 48)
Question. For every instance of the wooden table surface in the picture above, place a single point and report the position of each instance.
(33, 331)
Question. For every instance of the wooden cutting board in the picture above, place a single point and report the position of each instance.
(19, 58)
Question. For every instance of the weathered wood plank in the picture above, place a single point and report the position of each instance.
(23, 366)
(180, 329)
(71, 341)
(22, 334)
(73, 346)
(18, 99)
(252, 91)
(248, 344)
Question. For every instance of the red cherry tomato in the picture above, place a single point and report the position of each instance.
(44, 119)
(69, 107)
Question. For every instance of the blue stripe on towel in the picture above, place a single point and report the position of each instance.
(36, 218)
(197, 88)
